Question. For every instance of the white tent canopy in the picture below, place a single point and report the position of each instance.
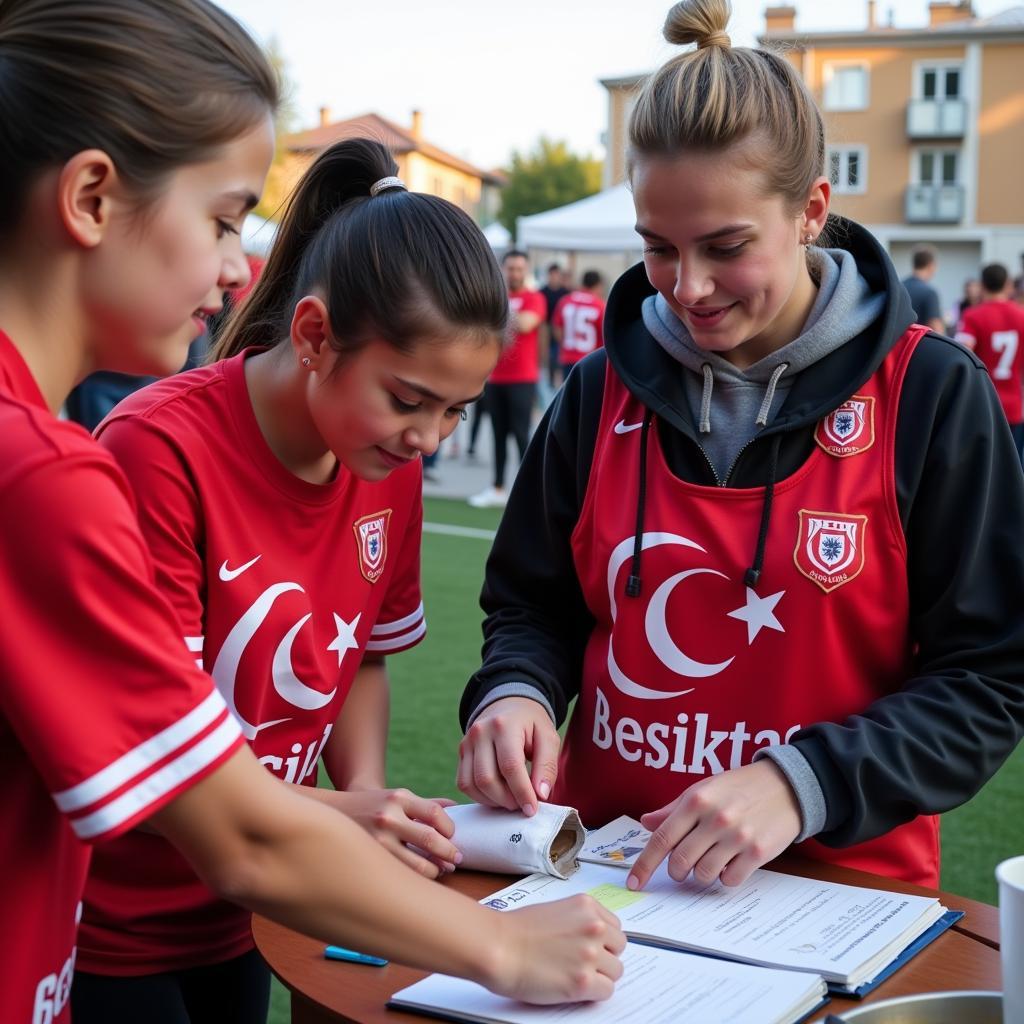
(497, 237)
(600, 223)
(257, 235)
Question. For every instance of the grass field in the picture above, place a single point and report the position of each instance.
(427, 683)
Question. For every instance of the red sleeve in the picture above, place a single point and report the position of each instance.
(534, 302)
(400, 623)
(599, 324)
(558, 319)
(169, 517)
(96, 682)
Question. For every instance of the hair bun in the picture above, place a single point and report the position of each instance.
(698, 21)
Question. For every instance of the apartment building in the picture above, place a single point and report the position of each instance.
(924, 126)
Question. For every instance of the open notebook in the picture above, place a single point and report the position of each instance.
(657, 987)
(851, 936)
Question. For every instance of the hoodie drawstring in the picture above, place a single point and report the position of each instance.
(753, 574)
(705, 399)
(769, 395)
(633, 583)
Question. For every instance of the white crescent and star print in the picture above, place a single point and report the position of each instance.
(757, 612)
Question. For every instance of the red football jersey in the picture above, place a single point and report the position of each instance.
(103, 715)
(995, 330)
(280, 586)
(580, 317)
(520, 362)
(700, 671)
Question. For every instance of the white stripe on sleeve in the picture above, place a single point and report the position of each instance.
(394, 643)
(384, 628)
(156, 786)
(141, 758)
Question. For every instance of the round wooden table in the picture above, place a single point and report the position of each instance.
(329, 992)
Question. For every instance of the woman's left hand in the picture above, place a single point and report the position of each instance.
(721, 827)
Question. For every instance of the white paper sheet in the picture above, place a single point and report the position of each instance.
(845, 933)
(658, 987)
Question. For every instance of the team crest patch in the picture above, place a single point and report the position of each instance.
(372, 541)
(830, 547)
(850, 429)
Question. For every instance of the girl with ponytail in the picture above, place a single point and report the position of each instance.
(748, 575)
(136, 135)
(279, 493)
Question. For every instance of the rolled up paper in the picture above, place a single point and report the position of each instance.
(492, 839)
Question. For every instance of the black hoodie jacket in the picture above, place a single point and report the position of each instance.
(960, 490)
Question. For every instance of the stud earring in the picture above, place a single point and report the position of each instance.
(306, 361)
(808, 238)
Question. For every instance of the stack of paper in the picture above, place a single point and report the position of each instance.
(658, 987)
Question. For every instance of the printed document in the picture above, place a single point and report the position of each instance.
(845, 933)
(657, 987)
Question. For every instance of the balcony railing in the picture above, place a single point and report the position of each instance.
(936, 119)
(934, 204)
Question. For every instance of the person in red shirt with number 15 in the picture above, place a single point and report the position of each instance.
(578, 322)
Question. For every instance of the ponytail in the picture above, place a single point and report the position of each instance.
(341, 174)
(400, 266)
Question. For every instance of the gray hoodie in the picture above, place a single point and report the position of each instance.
(731, 405)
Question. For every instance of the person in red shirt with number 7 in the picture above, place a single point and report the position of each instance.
(993, 331)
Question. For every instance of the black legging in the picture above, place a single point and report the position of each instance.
(509, 406)
(234, 992)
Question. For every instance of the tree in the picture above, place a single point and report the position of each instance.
(281, 178)
(547, 177)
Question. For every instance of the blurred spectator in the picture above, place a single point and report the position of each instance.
(923, 297)
(970, 297)
(512, 387)
(578, 323)
(994, 329)
(554, 291)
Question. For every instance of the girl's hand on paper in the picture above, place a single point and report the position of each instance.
(494, 752)
(721, 827)
(415, 829)
(566, 951)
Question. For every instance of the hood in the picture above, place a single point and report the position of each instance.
(653, 376)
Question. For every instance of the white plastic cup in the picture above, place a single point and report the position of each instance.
(1010, 876)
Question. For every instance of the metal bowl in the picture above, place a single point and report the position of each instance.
(932, 1008)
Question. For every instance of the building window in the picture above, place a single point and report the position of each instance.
(938, 82)
(848, 169)
(846, 86)
(938, 167)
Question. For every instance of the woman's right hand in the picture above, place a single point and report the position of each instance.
(495, 749)
(561, 952)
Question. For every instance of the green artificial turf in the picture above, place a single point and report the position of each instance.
(427, 682)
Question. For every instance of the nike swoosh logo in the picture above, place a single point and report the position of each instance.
(227, 574)
(622, 427)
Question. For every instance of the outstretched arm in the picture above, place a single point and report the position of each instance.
(260, 844)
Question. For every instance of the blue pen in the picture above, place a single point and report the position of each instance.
(352, 957)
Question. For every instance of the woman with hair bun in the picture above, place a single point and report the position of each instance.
(779, 562)
(136, 135)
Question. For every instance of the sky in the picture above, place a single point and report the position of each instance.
(493, 77)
